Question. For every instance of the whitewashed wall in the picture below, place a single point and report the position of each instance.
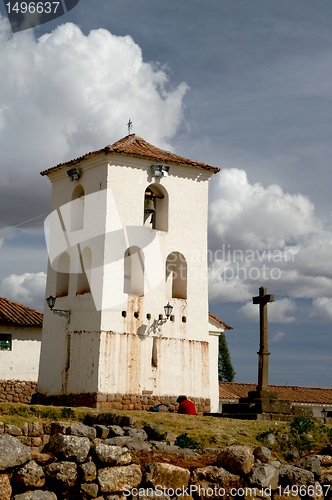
(100, 350)
(21, 363)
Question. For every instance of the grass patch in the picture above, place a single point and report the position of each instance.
(301, 434)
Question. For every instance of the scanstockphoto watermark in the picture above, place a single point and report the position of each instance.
(316, 490)
(195, 490)
(27, 14)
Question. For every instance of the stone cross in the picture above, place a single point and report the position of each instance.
(263, 354)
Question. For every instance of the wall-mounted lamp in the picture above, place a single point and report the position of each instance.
(61, 312)
(74, 174)
(160, 170)
(159, 322)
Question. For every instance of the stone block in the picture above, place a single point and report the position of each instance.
(13, 430)
(69, 447)
(33, 429)
(5, 487)
(88, 472)
(36, 442)
(264, 476)
(12, 452)
(30, 475)
(117, 405)
(61, 475)
(236, 459)
(25, 440)
(167, 476)
(111, 455)
(119, 479)
(91, 490)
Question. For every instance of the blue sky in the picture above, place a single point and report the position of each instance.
(243, 85)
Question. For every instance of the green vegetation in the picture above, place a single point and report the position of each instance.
(184, 441)
(300, 437)
(226, 372)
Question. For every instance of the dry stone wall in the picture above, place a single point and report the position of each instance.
(16, 391)
(118, 401)
(73, 461)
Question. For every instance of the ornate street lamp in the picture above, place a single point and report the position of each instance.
(61, 312)
(159, 322)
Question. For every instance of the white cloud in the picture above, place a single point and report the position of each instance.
(255, 217)
(261, 235)
(321, 309)
(278, 312)
(62, 95)
(65, 94)
(27, 289)
(278, 337)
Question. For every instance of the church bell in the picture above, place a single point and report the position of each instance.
(149, 207)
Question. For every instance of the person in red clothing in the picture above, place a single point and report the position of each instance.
(186, 407)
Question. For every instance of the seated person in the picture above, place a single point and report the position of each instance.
(186, 407)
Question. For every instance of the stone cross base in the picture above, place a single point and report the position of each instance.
(262, 394)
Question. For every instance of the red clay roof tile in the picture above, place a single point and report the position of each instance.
(218, 320)
(235, 390)
(133, 145)
(12, 313)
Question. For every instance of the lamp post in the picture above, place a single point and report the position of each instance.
(159, 322)
(61, 312)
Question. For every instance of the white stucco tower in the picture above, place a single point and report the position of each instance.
(127, 236)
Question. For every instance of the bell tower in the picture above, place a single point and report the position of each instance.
(127, 244)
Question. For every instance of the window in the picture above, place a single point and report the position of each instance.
(176, 272)
(156, 207)
(5, 342)
(77, 208)
(62, 279)
(83, 285)
(134, 271)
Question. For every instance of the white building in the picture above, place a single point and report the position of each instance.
(20, 340)
(128, 235)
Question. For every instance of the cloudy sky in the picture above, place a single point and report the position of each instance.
(244, 85)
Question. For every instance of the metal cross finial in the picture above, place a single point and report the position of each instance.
(129, 125)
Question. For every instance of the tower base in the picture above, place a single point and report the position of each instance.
(100, 401)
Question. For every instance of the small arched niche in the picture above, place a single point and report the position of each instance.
(156, 207)
(176, 272)
(133, 271)
(83, 285)
(77, 208)
(62, 276)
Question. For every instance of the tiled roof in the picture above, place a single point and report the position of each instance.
(218, 320)
(235, 390)
(133, 145)
(12, 313)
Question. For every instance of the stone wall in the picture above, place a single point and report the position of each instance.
(71, 461)
(118, 401)
(16, 391)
